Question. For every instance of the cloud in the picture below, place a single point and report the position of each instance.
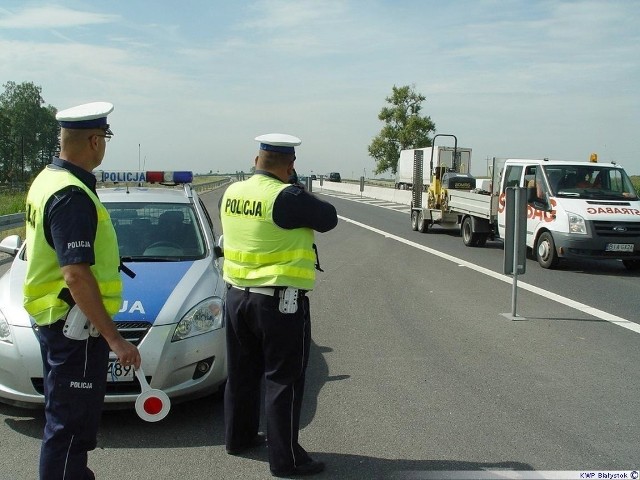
(52, 16)
(527, 78)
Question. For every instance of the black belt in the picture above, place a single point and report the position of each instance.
(268, 291)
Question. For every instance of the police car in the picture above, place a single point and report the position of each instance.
(172, 308)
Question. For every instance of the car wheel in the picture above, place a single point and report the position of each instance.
(631, 265)
(469, 237)
(546, 251)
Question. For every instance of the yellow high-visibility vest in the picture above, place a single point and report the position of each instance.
(44, 280)
(257, 252)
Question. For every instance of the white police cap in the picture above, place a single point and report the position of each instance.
(88, 115)
(278, 142)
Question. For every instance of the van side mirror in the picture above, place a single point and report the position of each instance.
(539, 204)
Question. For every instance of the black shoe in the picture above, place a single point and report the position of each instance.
(259, 440)
(310, 468)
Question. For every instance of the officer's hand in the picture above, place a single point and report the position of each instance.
(126, 352)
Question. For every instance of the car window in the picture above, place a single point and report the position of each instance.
(151, 231)
(206, 214)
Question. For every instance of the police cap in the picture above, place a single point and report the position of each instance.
(278, 142)
(86, 116)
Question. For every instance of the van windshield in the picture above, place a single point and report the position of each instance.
(589, 181)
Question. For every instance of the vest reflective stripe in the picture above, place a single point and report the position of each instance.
(256, 251)
(248, 257)
(300, 274)
(44, 279)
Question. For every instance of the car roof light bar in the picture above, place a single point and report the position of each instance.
(162, 177)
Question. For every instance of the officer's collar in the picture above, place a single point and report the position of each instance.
(268, 174)
(88, 178)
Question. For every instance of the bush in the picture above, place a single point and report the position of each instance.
(635, 179)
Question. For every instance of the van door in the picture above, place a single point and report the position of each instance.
(510, 178)
(537, 199)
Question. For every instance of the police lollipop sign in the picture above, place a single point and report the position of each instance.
(152, 405)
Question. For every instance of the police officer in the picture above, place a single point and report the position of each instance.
(72, 275)
(270, 260)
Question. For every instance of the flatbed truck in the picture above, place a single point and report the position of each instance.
(574, 209)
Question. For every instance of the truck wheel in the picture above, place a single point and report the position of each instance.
(414, 220)
(631, 265)
(546, 251)
(469, 237)
(423, 226)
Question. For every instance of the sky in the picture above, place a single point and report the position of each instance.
(194, 82)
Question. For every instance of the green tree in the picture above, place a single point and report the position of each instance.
(404, 128)
(28, 131)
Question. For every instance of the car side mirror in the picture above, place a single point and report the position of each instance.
(218, 249)
(11, 245)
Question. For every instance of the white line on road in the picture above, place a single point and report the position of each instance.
(608, 317)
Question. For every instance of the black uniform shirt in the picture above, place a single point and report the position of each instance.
(71, 220)
(294, 207)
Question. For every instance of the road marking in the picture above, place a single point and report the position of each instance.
(594, 312)
(396, 207)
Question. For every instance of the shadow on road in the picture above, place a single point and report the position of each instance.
(358, 467)
(193, 423)
(200, 423)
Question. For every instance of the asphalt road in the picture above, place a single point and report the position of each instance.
(414, 368)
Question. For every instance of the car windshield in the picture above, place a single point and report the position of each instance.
(157, 231)
(589, 181)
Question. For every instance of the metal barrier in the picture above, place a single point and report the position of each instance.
(204, 187)
(15, 220)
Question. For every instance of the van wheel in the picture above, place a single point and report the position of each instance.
(631, 265)
(546, 251)
(423, 226)
(414, 220)
(469, 237)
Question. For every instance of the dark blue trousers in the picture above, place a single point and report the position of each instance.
(264, 343)
(75, 377)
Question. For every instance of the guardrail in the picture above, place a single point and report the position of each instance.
(380, 193)
(204, 187)
(15, 220)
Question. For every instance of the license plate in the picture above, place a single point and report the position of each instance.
(619, 247)
(116, 372)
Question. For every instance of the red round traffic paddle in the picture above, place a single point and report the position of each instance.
(152, 405)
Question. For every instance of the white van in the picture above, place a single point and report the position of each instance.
(576, 209)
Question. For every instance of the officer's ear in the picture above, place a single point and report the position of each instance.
(93, 141)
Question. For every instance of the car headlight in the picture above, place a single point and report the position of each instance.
(5, 331)
(203, 318)
(576, 224)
